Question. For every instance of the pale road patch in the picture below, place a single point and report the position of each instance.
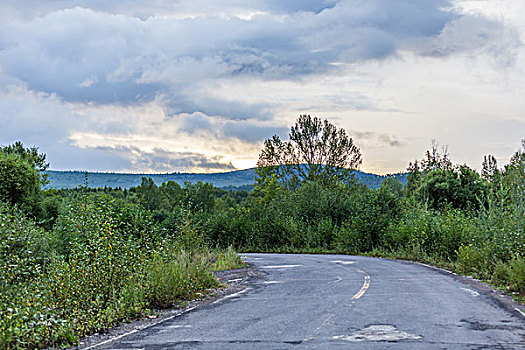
(339, 279)
(279, 266)
(378, 333)
(343, 262)
(231, 296)
(473, 293)
(179, 326)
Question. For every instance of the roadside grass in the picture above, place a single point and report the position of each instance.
(226, 260)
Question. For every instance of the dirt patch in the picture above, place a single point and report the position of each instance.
(233, 281)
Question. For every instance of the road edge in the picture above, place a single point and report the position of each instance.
(503, 300)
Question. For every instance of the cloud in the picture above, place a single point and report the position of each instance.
(374, 139)
(100, 52)
(474, 34)
(161, 160)
(179, 9)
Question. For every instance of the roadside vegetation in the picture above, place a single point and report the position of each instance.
(77, 261)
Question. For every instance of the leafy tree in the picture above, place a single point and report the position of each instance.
(436, 181)
(435, 158)
(147, 194)
(317, 151)
(460, 188)
(490, 169)
(200, 196)
(31, 155)
(19, 182)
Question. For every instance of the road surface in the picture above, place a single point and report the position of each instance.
(340, 302)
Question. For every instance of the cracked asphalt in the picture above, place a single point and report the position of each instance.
(337, 301)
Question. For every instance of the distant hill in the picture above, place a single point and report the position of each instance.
(242, 179)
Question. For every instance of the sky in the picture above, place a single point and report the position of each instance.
(197, 86)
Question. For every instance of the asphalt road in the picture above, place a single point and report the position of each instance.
(329, 301)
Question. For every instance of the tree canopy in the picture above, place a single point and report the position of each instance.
(317, 151)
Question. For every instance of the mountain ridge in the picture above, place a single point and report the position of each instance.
(243, 179)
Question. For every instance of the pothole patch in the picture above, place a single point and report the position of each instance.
(379, 332)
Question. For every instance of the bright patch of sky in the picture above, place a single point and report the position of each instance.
(197, 86)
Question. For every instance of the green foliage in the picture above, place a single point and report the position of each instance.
(19, 182)
(24, 255)
(24, 248)
(227, 260)
(514, 180)
(31, 156)
(176, 275)
(477, 261)
(511, 274)
(105, 261)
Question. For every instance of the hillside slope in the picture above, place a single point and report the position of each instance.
(238, 178)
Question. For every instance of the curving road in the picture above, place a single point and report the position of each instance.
(339, 302)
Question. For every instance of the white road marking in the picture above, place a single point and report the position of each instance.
(180, 326)
(139, 329)
(112, 339)
(473, 293)
(343, 262)
(272, 282)
(279, 266)
(521, 312)
(235, 280)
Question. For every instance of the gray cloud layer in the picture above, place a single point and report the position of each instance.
(106, 57)
(126, 53)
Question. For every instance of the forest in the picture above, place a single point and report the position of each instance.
(76, 261)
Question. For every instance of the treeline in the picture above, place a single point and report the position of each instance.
(76, 262)
(447, 214)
